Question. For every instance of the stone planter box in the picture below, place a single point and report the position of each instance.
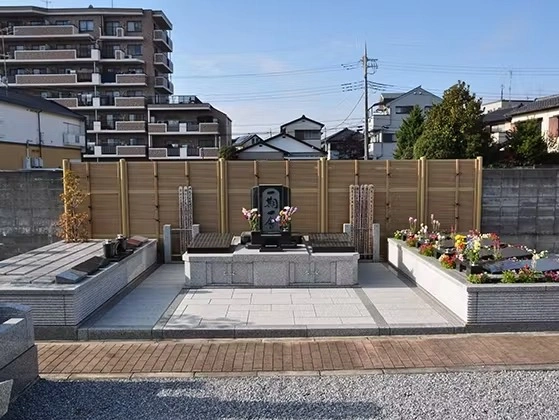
(18, 353)
(477, 304)
(293, 267)
(67, 305)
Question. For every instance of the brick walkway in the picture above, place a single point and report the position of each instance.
(319, 355)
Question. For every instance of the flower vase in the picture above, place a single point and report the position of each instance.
(474, 268)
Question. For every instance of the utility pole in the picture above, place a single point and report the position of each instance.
(510, 85)
(368, 64)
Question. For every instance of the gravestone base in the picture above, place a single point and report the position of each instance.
(285, 268)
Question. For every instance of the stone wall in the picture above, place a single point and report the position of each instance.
(522, 205)
(29, 209)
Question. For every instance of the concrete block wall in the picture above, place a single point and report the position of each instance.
(522, 205)
(29, 209)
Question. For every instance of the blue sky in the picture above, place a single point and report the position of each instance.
(289, 53)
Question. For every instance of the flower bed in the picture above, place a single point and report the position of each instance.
(476, 304)
(492, 282)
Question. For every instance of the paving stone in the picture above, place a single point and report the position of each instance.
(234, 302)
(319, 321)
(271, 299)
(357, 320)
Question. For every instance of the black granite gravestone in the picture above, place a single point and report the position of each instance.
(270, 200)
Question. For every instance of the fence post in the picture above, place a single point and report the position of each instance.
(167, 244)
(124, 210)
(479, 191)
(423, 191)
(323, 175)
(65, 170)
(222, 195)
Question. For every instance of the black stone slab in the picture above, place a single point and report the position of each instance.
(498, 267)
(91, 265)
(70, 277)
(330, 242)
(211, 243)
(514, 252)
(136, 241)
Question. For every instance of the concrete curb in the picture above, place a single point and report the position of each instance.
(306, 373)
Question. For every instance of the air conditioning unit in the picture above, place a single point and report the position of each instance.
(119, 55)
(43, 47)
(36, 162)
(120, 32)
(129, 56)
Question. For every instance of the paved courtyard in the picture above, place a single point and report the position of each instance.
(384, 303)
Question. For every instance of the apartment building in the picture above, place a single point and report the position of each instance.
(186, 128)
(107, 64)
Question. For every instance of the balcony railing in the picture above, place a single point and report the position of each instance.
(116, 151)
(166, 127)
(163, 39)
(81, 53)
(110, 125)
(161, 60)
(173, 99)
(379, 121)
(55, 79)
(47, 31)
(163, 83)
(187, 152)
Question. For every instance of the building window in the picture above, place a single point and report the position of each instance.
(388, 137)
(134, 26)
(135, 50)
(86, 26)
(111, 27)
(62, 22)
(404, 109)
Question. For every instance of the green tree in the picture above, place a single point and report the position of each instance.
(454, 129)
(228, 153)
(409, 132)
(526, 143)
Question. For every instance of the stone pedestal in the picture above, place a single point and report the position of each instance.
(292, 267)
(19, 367)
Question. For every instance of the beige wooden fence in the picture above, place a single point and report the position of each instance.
(138, 198)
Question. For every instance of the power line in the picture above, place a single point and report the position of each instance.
(352, 110)
(338, 67)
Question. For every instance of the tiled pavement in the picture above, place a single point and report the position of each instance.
(383, 303)
(298, 356)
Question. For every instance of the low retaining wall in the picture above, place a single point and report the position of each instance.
(293, 267)
(70, 304)
(18, 353)
(479, 304)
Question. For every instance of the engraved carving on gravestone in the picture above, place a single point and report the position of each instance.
(269, 200)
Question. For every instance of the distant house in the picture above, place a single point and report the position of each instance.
(391, 111)
(305, 129)
(345, 144)
(544, 110)
(282, 146)
(246, 140)
(36, 132)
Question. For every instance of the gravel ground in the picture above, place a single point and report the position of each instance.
(491, 395)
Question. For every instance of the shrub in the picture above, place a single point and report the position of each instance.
(448, 261)
(509, 277)
(427, 250)
(478, 278)
(73, 224)
(412, 241)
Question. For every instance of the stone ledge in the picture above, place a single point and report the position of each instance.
(494, 307)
